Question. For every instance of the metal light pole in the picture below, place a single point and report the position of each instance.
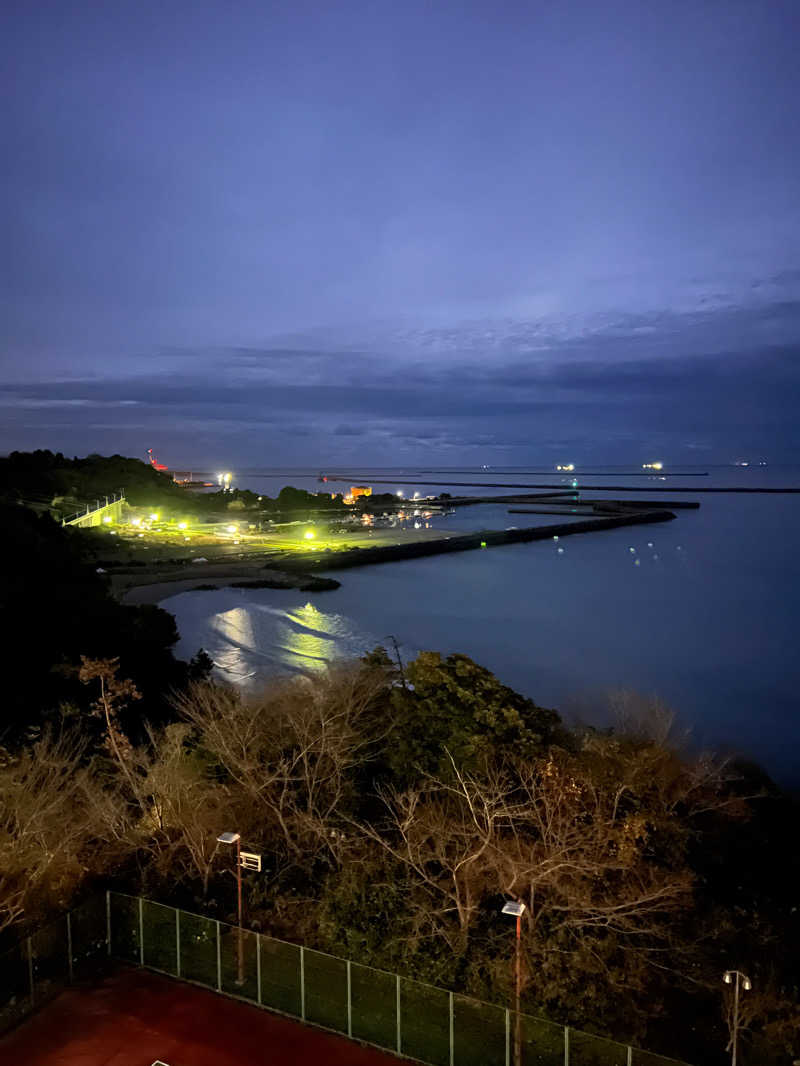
(235, 838)
(735, 977)
(516, 910)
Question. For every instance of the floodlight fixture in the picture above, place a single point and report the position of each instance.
(513, 908)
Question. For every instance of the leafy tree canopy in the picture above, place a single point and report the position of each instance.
(453, 705)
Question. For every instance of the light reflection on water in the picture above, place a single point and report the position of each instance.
(250, 639)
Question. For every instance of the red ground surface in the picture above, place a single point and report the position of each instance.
(132, 1018)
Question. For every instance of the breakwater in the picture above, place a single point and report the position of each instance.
(388, 553)
(791, 489)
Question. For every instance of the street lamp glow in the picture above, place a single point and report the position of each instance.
(136, 521)
(153, 517)
(309, 534)
(399, 493)
(182, 525)
(107, 519)
(231, 529)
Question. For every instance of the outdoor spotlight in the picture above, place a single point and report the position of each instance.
(512, 908)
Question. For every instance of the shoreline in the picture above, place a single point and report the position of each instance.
(154, 592)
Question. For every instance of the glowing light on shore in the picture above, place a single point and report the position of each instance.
(136, 521)
(231, 529)
(653, 466)
(154, 517)
(182, 525)
(309, 534)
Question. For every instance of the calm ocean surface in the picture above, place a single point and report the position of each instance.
(703, 612)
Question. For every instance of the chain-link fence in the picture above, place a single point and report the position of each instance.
(34, 970)
(416, 1020)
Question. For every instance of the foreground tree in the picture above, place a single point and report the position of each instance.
(58, 820)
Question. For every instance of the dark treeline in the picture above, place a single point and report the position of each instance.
(55, 607)
(50, 482)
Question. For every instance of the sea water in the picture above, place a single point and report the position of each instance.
(702, 612)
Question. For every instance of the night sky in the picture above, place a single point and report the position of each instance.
(266, 234)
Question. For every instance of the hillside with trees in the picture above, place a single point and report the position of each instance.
(646, 869)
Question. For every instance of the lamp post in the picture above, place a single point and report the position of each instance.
(516, 910)
(235, 838)
(736, 978)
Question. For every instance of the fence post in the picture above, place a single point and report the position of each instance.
(451, 1027)
(630, 1055)
(69, 946)
(566, 1045)
(302, 983)
(219, 962)
(141, 932)
(108, 923)
(258, 966)
(399, 1036)
(508, 1038)
(30, 968)
(349, 1001)
(177, 942)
